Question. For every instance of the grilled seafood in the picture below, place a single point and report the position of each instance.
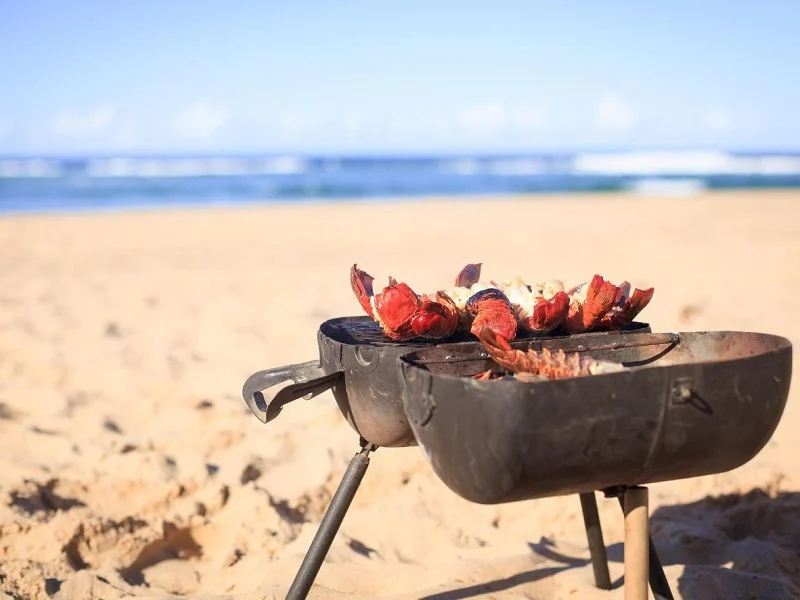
(533, 365)
(599, 304)
(505, 307)
(403, 314)
(538, 308)
(541, 307)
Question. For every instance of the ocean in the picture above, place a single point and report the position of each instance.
(30, 184)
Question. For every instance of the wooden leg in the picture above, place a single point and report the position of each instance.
(637, 543)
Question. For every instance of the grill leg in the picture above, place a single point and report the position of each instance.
(636, 546)
(594, 534)
(655, 572)
(330, 523)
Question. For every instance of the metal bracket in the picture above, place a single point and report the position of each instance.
(366, 447)
(682, 392)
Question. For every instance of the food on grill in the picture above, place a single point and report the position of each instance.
(505, 307)
(599, 304)
(534, 366)
(540, 307)
(403, 314)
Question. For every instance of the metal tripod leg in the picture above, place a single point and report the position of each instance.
(655, 572)
(594, 535)
(330, 523)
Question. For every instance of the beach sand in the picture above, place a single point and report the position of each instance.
(130, 465)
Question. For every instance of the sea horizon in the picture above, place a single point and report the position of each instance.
(120, 180)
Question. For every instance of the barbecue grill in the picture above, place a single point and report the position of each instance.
(358, 363)
(676, 412)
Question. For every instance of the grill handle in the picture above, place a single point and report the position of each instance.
(309, 380)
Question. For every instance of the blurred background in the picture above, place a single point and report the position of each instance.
(109, 105)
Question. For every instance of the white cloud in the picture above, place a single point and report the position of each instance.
(70, 123)
(613, 114)
(719, 120)
(200, 120)
(494, 117)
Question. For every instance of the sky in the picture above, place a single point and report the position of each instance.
(245, 76)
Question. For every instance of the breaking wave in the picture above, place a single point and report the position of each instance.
(42, 183)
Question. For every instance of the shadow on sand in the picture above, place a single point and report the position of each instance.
(543, 548)
(736, 546)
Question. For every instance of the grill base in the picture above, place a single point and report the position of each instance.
(354, 475)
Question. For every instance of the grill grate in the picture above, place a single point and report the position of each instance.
(363, 330)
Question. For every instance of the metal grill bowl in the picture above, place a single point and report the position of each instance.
(359, 365)
(691, 404)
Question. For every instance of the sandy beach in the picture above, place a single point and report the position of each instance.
(130, 466)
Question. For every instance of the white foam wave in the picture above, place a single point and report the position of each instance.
(498, 166)
(194, 167)
(29, 168)
(667, 187)
(517, 166)
(463, 166)
(684, 163)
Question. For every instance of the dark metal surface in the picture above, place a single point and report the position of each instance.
(370, 394)
(692, 404)
(309, 380)
(330, 524)
(359, 364)
(594, 535)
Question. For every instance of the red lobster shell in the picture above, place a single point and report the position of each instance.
(502, 307)
(403, 314)
(532, 365)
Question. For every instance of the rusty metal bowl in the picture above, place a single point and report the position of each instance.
(690, 404)
(359, 364)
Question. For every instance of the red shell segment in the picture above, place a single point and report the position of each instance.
(491, 308)
(361, 283)
(403, 314)
(624, 312)
(436, 319)
(469, 275)
(584, 316)
(528, 365)
(549, 314)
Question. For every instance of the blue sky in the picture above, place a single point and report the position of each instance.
(173, 76)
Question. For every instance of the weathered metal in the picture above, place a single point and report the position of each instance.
(691, 404)
(359, 364)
